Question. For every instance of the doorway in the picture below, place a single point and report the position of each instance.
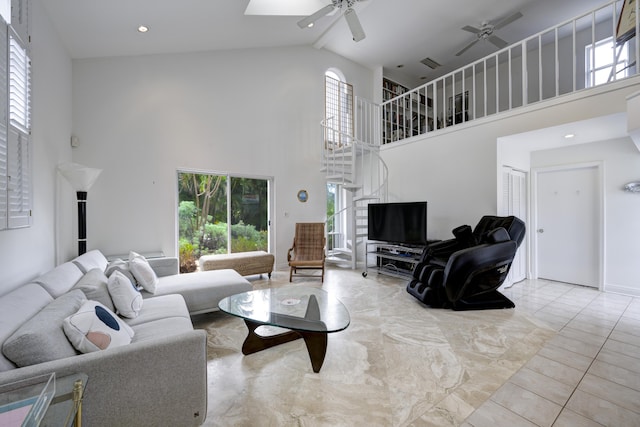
(514, 202)
(568, 218)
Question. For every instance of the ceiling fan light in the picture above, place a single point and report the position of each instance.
(311, 19)
(354, 25)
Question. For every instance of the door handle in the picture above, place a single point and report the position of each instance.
(540, 230)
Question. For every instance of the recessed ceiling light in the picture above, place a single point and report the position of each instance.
(569, 136)
(143, 29)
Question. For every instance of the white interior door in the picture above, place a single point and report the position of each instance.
(514, 192)
(568, 225)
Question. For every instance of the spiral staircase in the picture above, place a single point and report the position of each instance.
(352, 164)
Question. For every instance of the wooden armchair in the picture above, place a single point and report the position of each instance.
(308, 249)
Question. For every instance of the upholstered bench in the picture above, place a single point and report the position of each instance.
(245, 263)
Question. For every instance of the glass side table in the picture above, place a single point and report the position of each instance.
(43, 401)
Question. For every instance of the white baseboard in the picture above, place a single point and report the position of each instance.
(624, 290)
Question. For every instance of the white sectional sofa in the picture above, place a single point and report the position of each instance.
(159, 378)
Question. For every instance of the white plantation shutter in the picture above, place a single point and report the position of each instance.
(19, 179)
(19, 87)
(3, 127)
(15, 130)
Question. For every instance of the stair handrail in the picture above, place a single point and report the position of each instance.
(347, 141)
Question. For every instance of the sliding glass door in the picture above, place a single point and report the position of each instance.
(221, 214)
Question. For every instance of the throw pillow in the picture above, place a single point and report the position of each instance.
(94, 327)
(126, 298)
(41, 338)
(94, 286)
(121, 266)
(143, 272)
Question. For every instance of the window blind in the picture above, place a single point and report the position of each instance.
(4, 105)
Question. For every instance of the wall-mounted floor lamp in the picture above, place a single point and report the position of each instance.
(81, 179)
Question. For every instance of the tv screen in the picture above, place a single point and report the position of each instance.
(403, 223)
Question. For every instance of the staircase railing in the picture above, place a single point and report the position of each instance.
(356, 166)
(552, 63)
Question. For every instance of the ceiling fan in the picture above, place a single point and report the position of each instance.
(485, 32)
(349, 15)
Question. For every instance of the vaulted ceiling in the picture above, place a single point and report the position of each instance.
(399, 33)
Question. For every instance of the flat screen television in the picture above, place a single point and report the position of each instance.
(401, 223)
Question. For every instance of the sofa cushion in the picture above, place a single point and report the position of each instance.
(17, 307)
(160, 307)
(60, 279)
(122, 266)
(126, 298)
(142, 271)
(94, 286)
(161, 328)
(90, 260)
(94, 327)
(202, 290)
(41, 338)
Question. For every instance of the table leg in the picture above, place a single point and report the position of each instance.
(317, 347)
(254, 342)
(316, 342)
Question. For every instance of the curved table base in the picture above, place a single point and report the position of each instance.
(316, 342)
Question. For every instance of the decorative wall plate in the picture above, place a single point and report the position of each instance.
(303, 196)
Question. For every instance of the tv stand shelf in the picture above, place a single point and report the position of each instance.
(392, 259)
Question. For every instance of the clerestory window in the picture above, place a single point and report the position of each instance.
(600, 58)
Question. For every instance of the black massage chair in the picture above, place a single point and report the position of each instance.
(465, 272)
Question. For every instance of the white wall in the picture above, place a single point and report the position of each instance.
(255, 112)
(621, 161)
(27, 252)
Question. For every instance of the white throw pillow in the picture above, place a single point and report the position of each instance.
(121, 266)
(126, 298)
(143, 272)
(94, 327)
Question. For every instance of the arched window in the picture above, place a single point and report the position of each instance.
(338, 113)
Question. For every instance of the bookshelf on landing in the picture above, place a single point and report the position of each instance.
(406, 117)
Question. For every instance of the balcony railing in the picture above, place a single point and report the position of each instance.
(561, 60)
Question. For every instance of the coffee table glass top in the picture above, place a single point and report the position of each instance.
(292, 307)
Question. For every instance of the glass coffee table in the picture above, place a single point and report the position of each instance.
(307, 313)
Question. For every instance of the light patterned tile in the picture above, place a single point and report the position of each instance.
(585, 337)
(591, 326)
(569, 418)
(542, 385)
(616, 374)
(528, 405)
(608, 390)
(625, 338)
(565, 374)
(566, 357)
(628, 326)
(574, 345)
(491, 414)
(601, 411)
(622, 348)
(621, 360)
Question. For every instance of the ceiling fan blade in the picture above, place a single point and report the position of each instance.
(354, 25)
(311, 19)
(471, 29)
(497, 42)
(506, 21)
(467, 47)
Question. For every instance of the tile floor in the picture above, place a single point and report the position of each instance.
(588, 374)
(565, 356)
